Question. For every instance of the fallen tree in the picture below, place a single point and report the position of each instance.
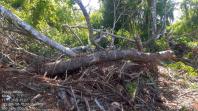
(34, 33)
(61, 66)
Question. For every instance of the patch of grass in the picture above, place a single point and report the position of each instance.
(181, 66)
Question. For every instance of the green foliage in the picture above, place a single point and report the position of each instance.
(193, 44)
(96, 19)
(18, 3)
(185, 31)
(123, 32)
(105, 42)
(48, 16)
(119, 42)
(107, 13)
(181, 66)
(137, 19)
(71, 2)
(183, 39)
(48, 13)
(132, 88)
(161, 44)
(189, 8)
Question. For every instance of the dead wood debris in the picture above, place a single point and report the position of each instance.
(102, 87)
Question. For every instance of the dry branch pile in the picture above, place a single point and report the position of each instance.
(96, 81)
(102, 87)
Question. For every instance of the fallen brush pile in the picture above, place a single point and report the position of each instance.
(112, 86)
(91, 80)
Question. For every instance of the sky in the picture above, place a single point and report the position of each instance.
(177, 12)
(92, 5)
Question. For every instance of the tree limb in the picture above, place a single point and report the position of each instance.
(101, 31)
(87, 18)
(34, 33)
(75, 35)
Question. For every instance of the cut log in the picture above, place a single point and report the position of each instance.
(61, 66)
(34, 33)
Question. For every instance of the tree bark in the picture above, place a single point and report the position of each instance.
(157, 34)
(154, 18)
(87, 18)
(34, 33)
(153, 10)
(60, 67)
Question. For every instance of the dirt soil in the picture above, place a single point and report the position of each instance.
(114, 86)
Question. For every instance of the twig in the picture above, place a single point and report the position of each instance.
(99, 105)
(83, 74)
(87, 18)
(78, 26)
(119, 37)
(75, 35)
(6, 59)
(120, 71)
(29, 87)
(81, 49)
(102, 32)
(76, 104)
(87, 104)
(110, 74)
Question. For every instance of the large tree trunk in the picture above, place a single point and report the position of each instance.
(34, 33)
(60, 67)
(153, 9)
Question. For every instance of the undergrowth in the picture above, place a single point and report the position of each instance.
(181, 66)
(132, 88)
